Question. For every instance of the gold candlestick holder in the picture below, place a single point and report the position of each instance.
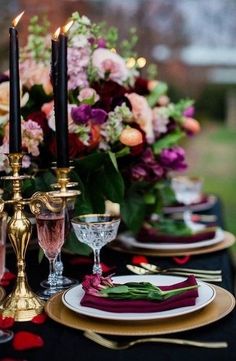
(22, 304)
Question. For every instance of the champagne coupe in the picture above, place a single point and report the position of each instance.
(96, 230)
(188, 190)
(50, 228)
(5, 335)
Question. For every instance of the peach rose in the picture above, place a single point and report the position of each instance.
(191, 125)
(131, 137)
(142, 114)
(4, 101)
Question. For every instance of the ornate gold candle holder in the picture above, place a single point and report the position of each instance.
(63, 185)
(22, 304)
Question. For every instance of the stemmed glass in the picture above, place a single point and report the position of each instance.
(61, 280)
(50, 228)
(188, 190)
(5, 335)
(96, 230)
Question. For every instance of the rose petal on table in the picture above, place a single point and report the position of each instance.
(139, 259)
(4, 283)
(81, 261)
(181, 260)
(106, 268)
(24, 340)
(39, 319)
(6, 322)
(8, 276)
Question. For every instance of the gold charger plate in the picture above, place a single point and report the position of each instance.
(2, 293)
(229, 240)
(222, 305)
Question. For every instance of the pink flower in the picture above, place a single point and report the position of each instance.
(109, 65)
(88, 94)
(32, 136)
(142, 114)
(78, 61)
(33, 73)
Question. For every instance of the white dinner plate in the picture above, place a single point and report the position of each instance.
(129, 240)
(195, 207)
(72, 297)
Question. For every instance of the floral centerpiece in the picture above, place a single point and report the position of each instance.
(124, 131)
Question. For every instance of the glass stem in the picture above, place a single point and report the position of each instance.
(97, 269)
(51, 277)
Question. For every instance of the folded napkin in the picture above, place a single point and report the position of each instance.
(152, 235)
(203, 199)
(187, 298)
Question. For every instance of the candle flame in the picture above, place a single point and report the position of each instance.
(56, 34)
(17, 19)
(67, 27)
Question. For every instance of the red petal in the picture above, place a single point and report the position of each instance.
(139, 259)
(181, 260)
(106, 268)
(39, 319)
(8, 276)
(24, 340)
(4, 283)
(6, 322)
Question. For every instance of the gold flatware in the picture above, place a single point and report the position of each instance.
(142, 271)
(153, 268)
(116, 345)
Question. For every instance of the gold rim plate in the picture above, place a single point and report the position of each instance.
(221, 306)
(229, 240)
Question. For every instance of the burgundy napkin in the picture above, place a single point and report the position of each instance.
(187, 298)
(152, 235)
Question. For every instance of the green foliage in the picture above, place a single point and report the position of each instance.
(167, 141)
(127, 46)
(160, 89)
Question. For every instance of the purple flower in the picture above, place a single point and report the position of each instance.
(138, 172)
(81, 114)
(99, 116)
(189, 112)
(101, 43)
(173, 158)
(148, 156)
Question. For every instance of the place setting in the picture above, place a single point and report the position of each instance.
(179, 235)
(134, 305)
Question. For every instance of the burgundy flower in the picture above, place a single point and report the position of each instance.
(81, 114)
(138, 172)
(173, 158)
(98, 116)
(3, 78)
(141, 86)
(108, 91)
(40, 118)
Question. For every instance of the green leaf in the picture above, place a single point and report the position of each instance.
(133, 209)
(160, 89)
(168, 141)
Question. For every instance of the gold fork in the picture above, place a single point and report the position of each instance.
(116, 345)
(142, 271)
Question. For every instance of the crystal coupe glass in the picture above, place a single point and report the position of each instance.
(96, 230)
(188, 190)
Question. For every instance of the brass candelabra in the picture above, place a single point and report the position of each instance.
(22, 303)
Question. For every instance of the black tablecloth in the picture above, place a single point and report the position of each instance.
(63, 343)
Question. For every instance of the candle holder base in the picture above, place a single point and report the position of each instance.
(22, 304)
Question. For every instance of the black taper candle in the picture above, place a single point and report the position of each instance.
(61, 111)
(15, 116)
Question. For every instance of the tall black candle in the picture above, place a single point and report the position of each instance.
(14, 116)
(61, 111)
(54, 58)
